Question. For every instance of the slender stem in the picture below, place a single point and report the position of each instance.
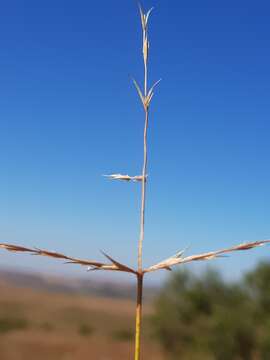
(143, 192)
(145, 78)
(144, 169)
(140, 273)
(138, 316)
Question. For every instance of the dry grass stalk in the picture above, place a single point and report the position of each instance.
(146, 100)
(145, 96)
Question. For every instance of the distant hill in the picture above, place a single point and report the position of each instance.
(63, 323)
(70, 285)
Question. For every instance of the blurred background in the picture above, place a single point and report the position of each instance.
(188, 317)
(69, 114)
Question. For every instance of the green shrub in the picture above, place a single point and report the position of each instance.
(11, 324)
(85, 330)
(205, 318)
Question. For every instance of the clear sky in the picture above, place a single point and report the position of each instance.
(69, 113)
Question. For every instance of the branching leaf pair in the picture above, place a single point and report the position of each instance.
(146, 100)
(145, 17)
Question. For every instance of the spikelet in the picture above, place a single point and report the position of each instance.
(144, 21)
(127, 178)
(92, 265)
(178, 259)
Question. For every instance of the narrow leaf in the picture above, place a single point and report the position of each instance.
(147, 16)
(118, 264)
(153, 87)
(139, 92)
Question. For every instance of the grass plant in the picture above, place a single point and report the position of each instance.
(146, 96)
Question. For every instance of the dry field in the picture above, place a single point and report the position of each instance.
(42, 325)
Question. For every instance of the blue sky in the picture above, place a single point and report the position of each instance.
(69, 113)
